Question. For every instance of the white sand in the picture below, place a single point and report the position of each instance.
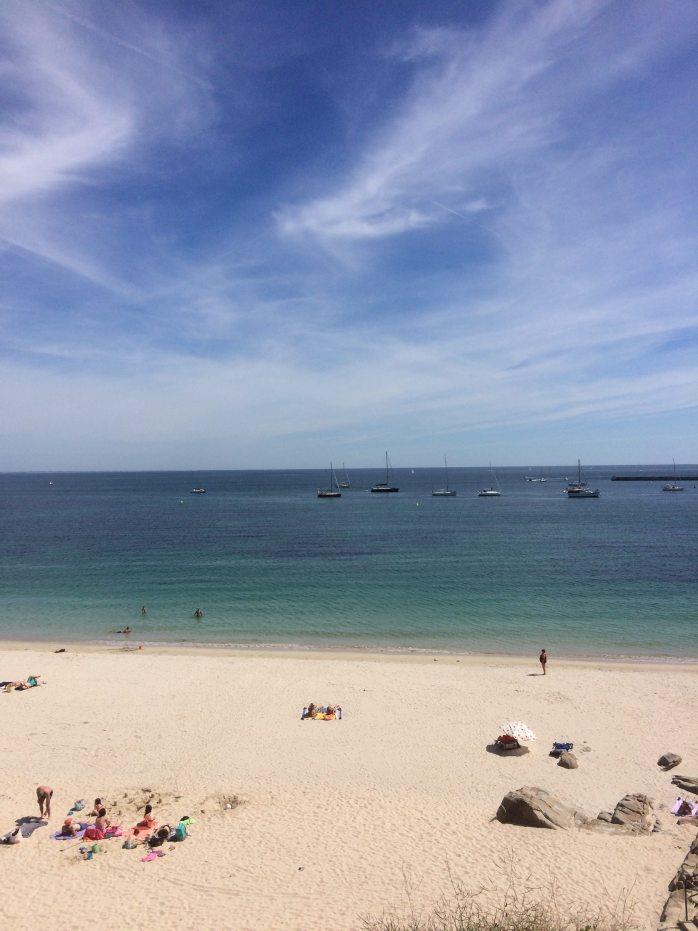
(403, 786)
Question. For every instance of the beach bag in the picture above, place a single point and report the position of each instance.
(180, 831)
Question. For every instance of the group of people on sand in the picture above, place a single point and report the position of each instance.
(321, 712)
(146, 831)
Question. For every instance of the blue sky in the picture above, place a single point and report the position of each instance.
(255, 234)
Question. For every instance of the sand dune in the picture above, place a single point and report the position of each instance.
(336, 817)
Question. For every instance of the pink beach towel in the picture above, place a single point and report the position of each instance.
(152, 855)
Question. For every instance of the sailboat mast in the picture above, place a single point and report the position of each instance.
(387, 469)
(446, 470)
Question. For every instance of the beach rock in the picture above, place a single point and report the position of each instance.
(687, 783)
(636, 812)
(674, 915)
(533, 807)
(568, 760)
(669, 760)
(605, 816)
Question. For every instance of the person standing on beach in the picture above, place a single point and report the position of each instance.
(543, 659)
(43, 797)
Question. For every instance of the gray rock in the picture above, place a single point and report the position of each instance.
(669, 760)
(636, 812)
(533, 807)
(604, 816)
(687, 783)
(674, 915)
(568, 760)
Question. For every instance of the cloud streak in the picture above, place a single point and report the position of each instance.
(503, 247)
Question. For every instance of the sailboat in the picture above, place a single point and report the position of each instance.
(444, 492)
(333, 491)
(491, 492)
(536, 478)
(672, 486)
(346, 483)
(580, 489)
(385, 487)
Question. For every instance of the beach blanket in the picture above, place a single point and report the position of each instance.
(152, 855)
(58, 836)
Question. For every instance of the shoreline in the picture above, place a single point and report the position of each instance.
(356, 653)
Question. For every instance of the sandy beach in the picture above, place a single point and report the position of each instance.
(335, 817)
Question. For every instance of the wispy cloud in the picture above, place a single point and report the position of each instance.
(508, 244)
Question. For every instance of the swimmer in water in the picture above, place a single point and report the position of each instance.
(126, 630)
(198, 613)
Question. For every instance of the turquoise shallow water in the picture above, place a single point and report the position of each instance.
(269, 563)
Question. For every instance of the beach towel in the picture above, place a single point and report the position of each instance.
(93, 833)
(58, 836)
(114, 831)
(152, 855)
(144, 827)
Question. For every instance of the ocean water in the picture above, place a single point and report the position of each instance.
(269, 563)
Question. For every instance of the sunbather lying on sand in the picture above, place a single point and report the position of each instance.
(159, 838)
(69, 828)
(30, 682)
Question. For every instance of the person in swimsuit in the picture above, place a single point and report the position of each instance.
(198, 613)
(43, 797)
(145, 825)
(102, 822)
(543, 659)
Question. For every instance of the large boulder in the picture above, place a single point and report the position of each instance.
(669, 760)
(533, 807)
(687, 783)
(635, 812)
(568, 760)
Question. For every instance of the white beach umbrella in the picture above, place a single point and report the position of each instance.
(518, 729)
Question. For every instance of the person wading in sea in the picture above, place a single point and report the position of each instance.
(543, 659)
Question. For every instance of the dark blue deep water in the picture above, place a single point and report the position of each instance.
(269, 563)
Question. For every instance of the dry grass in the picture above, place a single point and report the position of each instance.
(520, 907)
